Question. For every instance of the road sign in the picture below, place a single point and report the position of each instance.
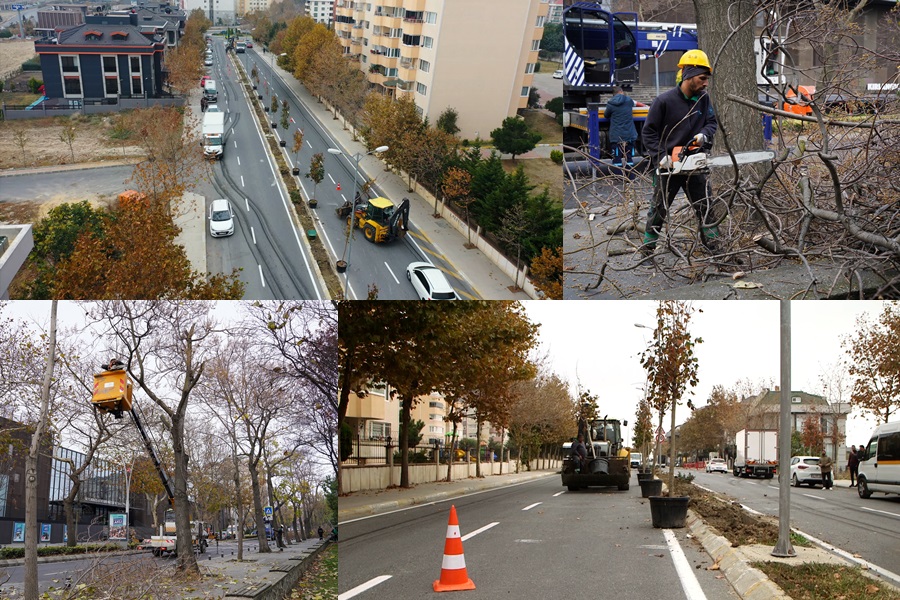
(18, 7)
(268, 511)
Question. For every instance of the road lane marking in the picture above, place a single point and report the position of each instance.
(477, 531)
(331, 178)
(689, 583)
(242, 181)
(363, 587)
(559, 493)
(247, 204)
(884, 512)
(530, 506)
(308, 144)
(397, 281)
(813, 496)
(253, 233)
(239, 160)
(261, 278)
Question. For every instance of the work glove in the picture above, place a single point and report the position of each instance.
(699, 139)
(665, 163)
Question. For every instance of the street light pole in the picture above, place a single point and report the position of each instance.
(658, 432)
(345, 257)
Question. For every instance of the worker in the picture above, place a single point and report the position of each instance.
(678, 117)
(622, 132)
(579, 453)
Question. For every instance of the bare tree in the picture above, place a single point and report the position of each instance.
(165, 346)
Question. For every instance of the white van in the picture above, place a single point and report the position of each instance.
(879, 465)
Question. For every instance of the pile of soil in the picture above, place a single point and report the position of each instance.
(728, 517)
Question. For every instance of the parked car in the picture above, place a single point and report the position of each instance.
(221, 218)
(636, 459)
(805, 469)
(879, 464)
(429, 282)
(249, 44)
(203, 80)
(716, 465)
(558, 74)
(208, 62)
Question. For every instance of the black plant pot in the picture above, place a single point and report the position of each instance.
(259, 97)
(669, 513)
(313, 203)
(266, 108)
(282, 143)
(650, 487)
(341, 266)
(254, 86)
(644, 476)
(295, 171)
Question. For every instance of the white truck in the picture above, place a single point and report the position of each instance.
(165, 541)
(213, 134)
(757, 453)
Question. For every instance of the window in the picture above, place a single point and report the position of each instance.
(529, 68)
(395, 32)
(435, 417)
(796, 400)
(69, 64)
(109, 65)
(435, 405)
(411, 40)
(134, 63)
(525, 91)
(427, 42)
(540, 21)
(424, 66)
(4, 492)
(136, 88)
(430, 17)
(435, 429)
(889, 447)
(421, 88)
(535, 45)
(112, 87)
(72, 87)
(378, 430)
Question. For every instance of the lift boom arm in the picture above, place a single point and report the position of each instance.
(167, 483)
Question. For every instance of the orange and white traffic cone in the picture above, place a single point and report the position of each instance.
(454, 576)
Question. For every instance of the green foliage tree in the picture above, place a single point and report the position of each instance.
(552, 40)
(447, 121)
(285, 115)
(511, 190)
(642, 436)
(556, 107)
(514, 137)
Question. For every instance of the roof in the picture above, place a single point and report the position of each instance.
(774, 397)
(92, 34)
(381, 202)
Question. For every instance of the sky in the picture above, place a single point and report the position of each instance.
(597, 345)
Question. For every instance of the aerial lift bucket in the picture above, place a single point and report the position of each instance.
(112, 392)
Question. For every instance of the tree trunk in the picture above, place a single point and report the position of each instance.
(404, 441)
(186, 561)
(69, 506)
(732, 72)
(31, 461)
(239, 534)
(477, 445)
(253, 467)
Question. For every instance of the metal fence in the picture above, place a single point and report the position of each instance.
(85, 107)
(366, 452)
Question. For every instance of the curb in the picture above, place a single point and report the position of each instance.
(749, 582)
(279, 589)
(63, 168)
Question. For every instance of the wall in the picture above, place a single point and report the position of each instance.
(379, 477)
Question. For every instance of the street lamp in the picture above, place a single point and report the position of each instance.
(342, 263)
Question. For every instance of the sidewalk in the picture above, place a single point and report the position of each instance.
(488, 280)
(259, 576)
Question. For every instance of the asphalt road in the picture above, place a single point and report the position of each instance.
(868, 528)
(532, 540)
(379, 265)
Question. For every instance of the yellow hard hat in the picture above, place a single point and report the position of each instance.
(696, 58)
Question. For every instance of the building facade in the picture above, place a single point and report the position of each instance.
(475, 57)
(320, 11)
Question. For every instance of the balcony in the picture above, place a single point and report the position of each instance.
(412, 27)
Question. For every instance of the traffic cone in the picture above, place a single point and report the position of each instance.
(339, 187)
(454, 577)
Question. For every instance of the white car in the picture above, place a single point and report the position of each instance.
(716, 465)
(429, 282)
(221, 218)
(558, 74)
(805, 469)
(208, 62)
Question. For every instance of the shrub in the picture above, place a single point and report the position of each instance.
(34, 84)
(556, 156)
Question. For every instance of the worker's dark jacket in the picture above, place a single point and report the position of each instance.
(621, 119)
(673, 120)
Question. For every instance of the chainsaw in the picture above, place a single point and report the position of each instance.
(691, 158)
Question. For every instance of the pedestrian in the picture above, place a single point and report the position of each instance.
(622, 132)
(321, 533)
(825, 464)
(853, 465)
(279, 536)
(679, 117)
(203, 104)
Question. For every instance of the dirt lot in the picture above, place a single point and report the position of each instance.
(13, 53)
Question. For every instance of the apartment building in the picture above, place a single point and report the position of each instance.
(320, 11)
(223, 12)
(375, 415)
(473, 56)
